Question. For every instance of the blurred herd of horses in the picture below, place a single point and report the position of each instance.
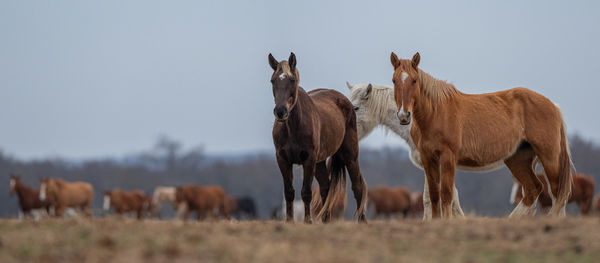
(319, 130)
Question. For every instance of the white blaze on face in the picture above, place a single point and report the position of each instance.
(513, 193)
(43, 191)
(106, 203)
(12, 184)
(282, 76)
(403, 76)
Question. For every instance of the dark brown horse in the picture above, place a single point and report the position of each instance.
(389, 201)
(309, 128)
(582, 193)
(125, 202)
(29, 198)
(205, 200)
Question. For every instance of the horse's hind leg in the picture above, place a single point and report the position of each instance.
(349, 155)
(322, 176)
(306, 192)
(521, 166)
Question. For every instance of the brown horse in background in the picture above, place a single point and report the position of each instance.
(338, 208)
(125, 202)
(61, 195)
(596, 204)
(416, 204)
(582, 193)
(309, 128)
(388, 201)
(205, 200)
(29, 198)
(450, 129)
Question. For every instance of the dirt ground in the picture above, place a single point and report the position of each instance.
(573, 239)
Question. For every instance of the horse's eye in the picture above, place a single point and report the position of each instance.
(356, 108)
(414, 81)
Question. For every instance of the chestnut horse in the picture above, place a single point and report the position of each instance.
(375, 106)
(338, 208)
(309, 128)
(388, 201)
(451, 129)
(62, 195)
(29, 198)
(125, 202)
(582, 193)
(205, 200)
(416, 204)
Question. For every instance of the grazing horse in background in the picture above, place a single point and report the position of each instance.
(375, 106)
(231, 204)
(245, 207)
(161, 195)
(29, 198)
(62, 195)
(309, 128)
(582, 193)
(416, 204)
(125, 202)
(450, 129)
(338, 208)
(388, 201)
(205, 200)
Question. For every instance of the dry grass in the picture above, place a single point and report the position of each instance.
(469, 240)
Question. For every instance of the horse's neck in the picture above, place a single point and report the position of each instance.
(300, 111)
(23, 190)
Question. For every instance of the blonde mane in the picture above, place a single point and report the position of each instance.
(437, 90)
(380, 100)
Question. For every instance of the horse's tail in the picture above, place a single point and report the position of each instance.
(565, 179)
(337, 187)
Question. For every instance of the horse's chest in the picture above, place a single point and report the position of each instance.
(294, 154)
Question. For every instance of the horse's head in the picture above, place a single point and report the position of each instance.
(47, 186)
(106, 200)
(365, 114)
(14, 180)
(406, 85)
(285, 81)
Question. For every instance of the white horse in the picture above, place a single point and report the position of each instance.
(163, 194)
(375, 106)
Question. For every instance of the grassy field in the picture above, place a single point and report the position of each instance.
(465, 240)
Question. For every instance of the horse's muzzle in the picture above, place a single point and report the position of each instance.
(404, 117)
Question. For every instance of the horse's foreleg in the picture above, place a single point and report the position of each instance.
(286, 172)
(432, 173)
(306, 192)
(426, 202)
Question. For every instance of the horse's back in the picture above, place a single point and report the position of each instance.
(328, 99)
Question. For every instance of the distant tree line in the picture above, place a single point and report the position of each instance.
(257, 175)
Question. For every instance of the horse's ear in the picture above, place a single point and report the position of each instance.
(349, 85)
(273, 62)
(415, 60)
(292, 61)
(394, 59)
(368, 91)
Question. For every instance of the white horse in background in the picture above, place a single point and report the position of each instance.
(375, 106)
(161, 195)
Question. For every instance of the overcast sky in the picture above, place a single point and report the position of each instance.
(82, 79)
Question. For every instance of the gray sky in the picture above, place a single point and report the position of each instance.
(82, 79)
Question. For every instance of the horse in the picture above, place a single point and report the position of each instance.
(161, 195)
(245, 207)
(28, 198)
(62, 195)
(596, 204)
(125, 202)
(375, 106)
(205, 200)
(582, 193)
(315, 129)
(450, 129)
(416, 204)
(338, 208)
(231, 204)
(389, 201)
